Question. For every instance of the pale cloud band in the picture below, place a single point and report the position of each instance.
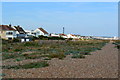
(59, 0)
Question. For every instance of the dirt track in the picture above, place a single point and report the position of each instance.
(101, 64)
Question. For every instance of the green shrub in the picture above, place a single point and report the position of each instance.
(60, 55)
(19, 59)
(5, 50)
(2, 74)
(10, 55)
(47, 59)
(4, 41)
(56, 38)
(55, 55)
(16, 40)
(85, 53)
(27, 66)
(33, 38)
(31, 44)
(32, 56)
(78, 56)
(41, 37)
(118, 46)
(70, 38)
(17, 50)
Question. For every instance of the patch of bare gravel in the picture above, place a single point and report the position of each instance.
(101, 64)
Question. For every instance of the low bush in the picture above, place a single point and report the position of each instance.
(56, 38)
(27, 66)
(47, 58)
(41, 37)
(18, 59)
(85, 53)
(60, 56)
(118, 46)
(78, 56)
(17, 50)
(55, 55)
(31, 44)
(10, 55)
(32, 57)
(16, 40)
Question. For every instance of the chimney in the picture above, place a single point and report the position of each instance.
(10, 25)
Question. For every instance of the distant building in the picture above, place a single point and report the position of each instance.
(20, 32)
(40, 31)
(54, 35)
(30, 33)
(72, 36)
(7, 32)
(63, 35)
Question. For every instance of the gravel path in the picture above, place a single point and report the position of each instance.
(101, 64)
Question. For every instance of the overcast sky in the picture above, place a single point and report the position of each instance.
(84, 18)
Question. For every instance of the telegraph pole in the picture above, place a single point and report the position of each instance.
(63, 30)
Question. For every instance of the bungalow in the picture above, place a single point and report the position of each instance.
(30, 33)
(54, 35)
(63, 35)
(40, 31)
(72, 36)
(7, 32)
(78, 36)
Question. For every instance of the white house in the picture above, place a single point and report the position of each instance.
(30, 33)
(7, 32)
(72, 36)
(54, 35)
(40, 31)
(63, 35)
(20, 32)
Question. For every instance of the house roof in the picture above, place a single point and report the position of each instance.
(6, 27)
(72, 35)
(45, 32)
(62, 35)
(20, 30)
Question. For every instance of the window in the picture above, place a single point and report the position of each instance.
(9, 38)
(9, 33)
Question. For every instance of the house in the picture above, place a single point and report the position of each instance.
(54, 35)
(40, 31)
(20, 32)
(63, 35)
(72, 36)
(30, 33)
(7, 32)
(26, 39)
